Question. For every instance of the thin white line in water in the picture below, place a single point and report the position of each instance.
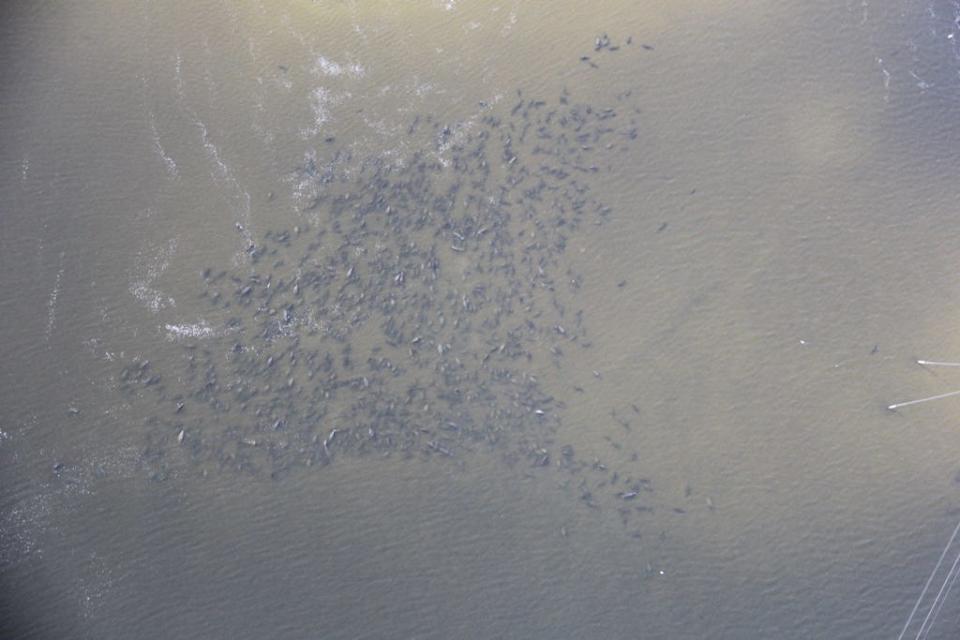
(931, 363)
(929, 580)
(928, 619)
(946, 594)
(891, 407)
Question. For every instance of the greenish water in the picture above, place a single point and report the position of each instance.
(476, 319)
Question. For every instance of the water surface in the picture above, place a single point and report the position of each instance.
(707, 300)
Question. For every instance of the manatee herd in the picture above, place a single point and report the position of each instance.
(420, 307)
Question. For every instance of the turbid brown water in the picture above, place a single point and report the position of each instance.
(468, 319)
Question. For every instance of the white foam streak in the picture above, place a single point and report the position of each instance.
(223, 174)
(52, 301)
(323, 66)
(168, 162)
(321, 99)
(148, 271)
(197, 330)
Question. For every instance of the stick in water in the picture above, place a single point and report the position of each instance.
(931, 363)
(907, 404)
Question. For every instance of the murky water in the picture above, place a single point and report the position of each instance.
(477, 319)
